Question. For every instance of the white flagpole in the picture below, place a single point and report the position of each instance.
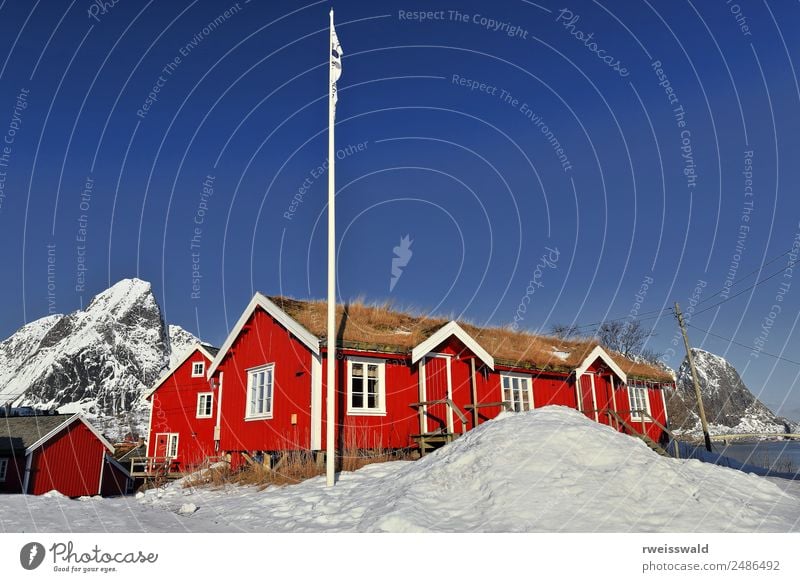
(330, 456)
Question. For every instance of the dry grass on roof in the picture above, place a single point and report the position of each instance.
(385, 327)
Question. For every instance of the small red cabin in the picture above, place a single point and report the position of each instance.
(402, 381)
(183, 413)
(57, 452)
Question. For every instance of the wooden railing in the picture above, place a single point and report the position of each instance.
(506, 405)
(422, 406)
(150, 466)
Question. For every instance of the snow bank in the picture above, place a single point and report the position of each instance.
(549, 470)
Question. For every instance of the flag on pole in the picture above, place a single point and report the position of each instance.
(335, 71)
(336, 63)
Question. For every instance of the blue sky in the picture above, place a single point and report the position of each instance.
(648, 150)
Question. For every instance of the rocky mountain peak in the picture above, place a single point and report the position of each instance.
(729, 405)
(96, 360)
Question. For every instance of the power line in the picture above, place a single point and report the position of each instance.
(754, 285)
(658, 313)
(746, 276)
(734, 342)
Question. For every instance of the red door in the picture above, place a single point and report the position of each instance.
(161, 445)
(602, 392)
(588, 404)
(437, 416)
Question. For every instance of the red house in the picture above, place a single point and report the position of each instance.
(403, 381)
(57, 452)
(183, 413)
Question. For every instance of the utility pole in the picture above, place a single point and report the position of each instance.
(700, 408)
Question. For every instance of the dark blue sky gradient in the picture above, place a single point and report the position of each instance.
(467, 174)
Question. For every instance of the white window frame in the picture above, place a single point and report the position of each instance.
(201, 372)
(3, 469)
(379, 410)
(526, 377)
(172, 445)
(634, 385)
(265, 414)
(201, 410)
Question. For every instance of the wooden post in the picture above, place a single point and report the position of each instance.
(700, 408)
(474, 393)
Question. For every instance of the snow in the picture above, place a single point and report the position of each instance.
(180, 341)
(560, 354)
(547, 470)
(97, 361)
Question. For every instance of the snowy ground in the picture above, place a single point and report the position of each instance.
(548, 470)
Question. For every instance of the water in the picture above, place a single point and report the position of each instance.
(777, 456)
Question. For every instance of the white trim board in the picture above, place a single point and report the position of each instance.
(259, 300)
(451, 329)
(188, 354)
(599, 352)
(62, 426)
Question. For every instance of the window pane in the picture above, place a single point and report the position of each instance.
(372, 401)
(358, 370)
(372, 371)
(358, 400)
(505, 381)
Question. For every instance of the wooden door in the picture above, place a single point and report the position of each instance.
(162, 441)
(588, 404)
(438, 417)
(604, 397)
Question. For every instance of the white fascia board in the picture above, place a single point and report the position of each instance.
(295, 328)
(62, 426)
(188, 354)
(451, 329)
(599, 352)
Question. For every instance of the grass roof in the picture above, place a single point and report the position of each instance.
(385, 328)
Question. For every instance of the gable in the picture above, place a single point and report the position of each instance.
(605, 359)
(444, 333)
(200, 349)
(291, 326)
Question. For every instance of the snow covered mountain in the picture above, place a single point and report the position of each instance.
(97, 360)
(730, 407)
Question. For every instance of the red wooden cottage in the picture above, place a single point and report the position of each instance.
(57, 452)
(403, 381)
(183, 413)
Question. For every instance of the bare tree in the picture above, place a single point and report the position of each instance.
(564, 331)
(626, 337)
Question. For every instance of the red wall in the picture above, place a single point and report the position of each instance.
(553, 388)
(175, 411)
(394, 429)
(70, 462)
(264, 341)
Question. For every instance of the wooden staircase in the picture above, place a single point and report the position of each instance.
(633, 432)
(429, 442)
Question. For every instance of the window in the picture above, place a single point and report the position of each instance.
(517, 392)
(259, 391)
(172, 445)
(3, 469)
(204, 404)
(366, 386)
(637, 395)
(198, 369)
